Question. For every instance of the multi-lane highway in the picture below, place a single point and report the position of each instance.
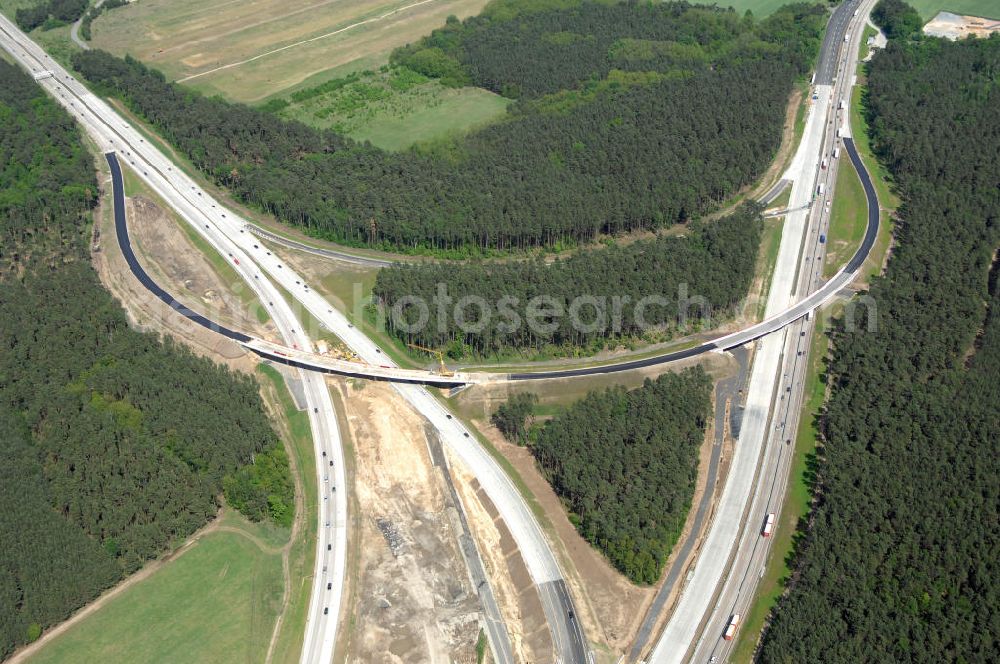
(733, 555)
(331, 540)
(795, 291)
(226, 232)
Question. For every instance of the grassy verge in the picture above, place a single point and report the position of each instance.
(216, 602)
(794, 509)
(481, 645)
(542, 362)
(888, 200)
(782, 200)
(800, 115)
(302, 553)
(848, 218)
(767, 259)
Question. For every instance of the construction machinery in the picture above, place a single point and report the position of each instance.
(443, 370)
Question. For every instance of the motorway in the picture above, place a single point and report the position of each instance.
(332, 530)
(727, 392)
(226, 232)
(733, 556)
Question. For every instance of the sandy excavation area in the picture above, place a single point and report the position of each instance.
(184, 271)
(955, 26)
(414, 601)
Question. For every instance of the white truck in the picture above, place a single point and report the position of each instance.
(734, 621)
(769, 521)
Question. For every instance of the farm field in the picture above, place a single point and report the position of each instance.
(984, 8)
(215, 602)
(280, 45)
(394, 108)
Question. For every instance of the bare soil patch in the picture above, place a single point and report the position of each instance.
(144, 310)
(955, 26)
(182, 270)
(414, 601)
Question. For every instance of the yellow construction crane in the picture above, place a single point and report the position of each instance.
(440, 356)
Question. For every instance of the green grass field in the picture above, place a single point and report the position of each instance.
(770, 244)
(395, 108)
(217, 602)
(984, 8)
(759, 8)
(249, 50)
(927, 8)
(219, 599)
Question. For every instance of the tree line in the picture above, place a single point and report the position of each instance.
(687, 109)
(624, 462)
(897, 19)
(50, 13)
(116, 443)
(534, 51)
(900, 560)
(91, 15)
(701, 277)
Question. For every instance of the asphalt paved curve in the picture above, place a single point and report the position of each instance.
(121, 232)
(817, 298)
(871, 232)
(227, 232)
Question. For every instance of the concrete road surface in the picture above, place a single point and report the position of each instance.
(732, 555)
(227, 234)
